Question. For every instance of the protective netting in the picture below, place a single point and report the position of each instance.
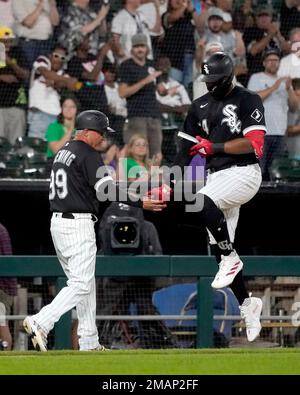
(80, 54)
(160, 313)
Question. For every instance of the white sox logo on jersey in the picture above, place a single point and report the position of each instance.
(231, 118)
(205, 67)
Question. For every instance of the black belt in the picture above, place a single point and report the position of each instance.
(68, 215)
(215, 169)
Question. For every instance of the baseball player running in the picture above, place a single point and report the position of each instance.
(229, 124)
(74, 204)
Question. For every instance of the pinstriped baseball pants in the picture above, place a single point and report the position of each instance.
(229, 189)
(75, 244)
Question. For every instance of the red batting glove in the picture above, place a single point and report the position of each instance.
(204, 147)
(160, 193)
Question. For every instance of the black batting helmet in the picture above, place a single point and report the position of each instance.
(218, 73)
(93, 120)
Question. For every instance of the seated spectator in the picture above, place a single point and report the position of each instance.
(171, 95)
(6, 13)
(13, 98)
(117, 106)
(47, 78)
(128, 22)
(293, 130)
(277, 95)
(290, 64)
(136, 163)
(8, 289)
(61, 131)
(81, 21)
(35, 20)
(263, 35)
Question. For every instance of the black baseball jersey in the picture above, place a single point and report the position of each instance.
(223, 120)
(78, 173)
(73, 179)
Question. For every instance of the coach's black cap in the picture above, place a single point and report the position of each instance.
(93, 120)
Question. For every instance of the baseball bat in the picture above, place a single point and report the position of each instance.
(187, 136)
(193, 139)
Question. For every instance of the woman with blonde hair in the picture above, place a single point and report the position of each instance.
(136, 163)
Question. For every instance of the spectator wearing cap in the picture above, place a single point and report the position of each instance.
(137, 83)
(289, 16)
(80, 21)
(13, 99)
(47, 78)
(219, 29)
(35, 20)
(277, 95)
(130, 21)
(290, 64)
(264, 34)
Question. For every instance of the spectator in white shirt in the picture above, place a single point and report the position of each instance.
(6, 14)
(290, 64)
(117, 105)
(171, 95)
(35, 20)
(47, 78)
(130, 21)
(277, 95)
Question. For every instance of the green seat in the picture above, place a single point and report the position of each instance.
(285, 169)
(5, 146)
(36, 143)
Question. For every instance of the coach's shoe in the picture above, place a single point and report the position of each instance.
(99, 348)
(36, 334)
(250, 312)
(228, 269)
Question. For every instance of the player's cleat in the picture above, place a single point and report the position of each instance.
(228, 269)
(36, 334)
(250, 312)
(99, 348)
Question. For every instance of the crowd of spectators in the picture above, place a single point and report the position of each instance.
(140, 61)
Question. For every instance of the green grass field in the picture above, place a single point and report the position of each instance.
(225, 361)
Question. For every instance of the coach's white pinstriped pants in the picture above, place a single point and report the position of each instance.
(229, 189)
(75, 244)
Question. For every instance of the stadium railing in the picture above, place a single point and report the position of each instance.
(202, 267)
